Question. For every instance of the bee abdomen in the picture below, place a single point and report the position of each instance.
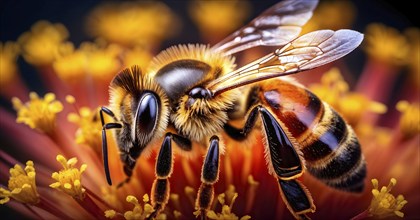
(329, 145)
(333, 153)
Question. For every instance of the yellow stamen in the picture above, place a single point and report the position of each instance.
(410, 118)
(9, 52)
(89, 131)
(38, 113)
(137, 56)
(177, 214)
(226, 212)
(70, 64)
(109, 194)
(70, 99)
(340, 15)
(103, 60)
(334, 90)
(40, 46)
(386, 44)
(69, 178)
(204, 12)
(383, 203)
(110, 213)
(332, 86)
(138, 212)
(353, 106)
(132, 23)
(21, 185)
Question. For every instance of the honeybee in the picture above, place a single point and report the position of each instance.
(190, 94)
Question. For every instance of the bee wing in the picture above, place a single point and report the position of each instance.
(276, 26)
(306, 52)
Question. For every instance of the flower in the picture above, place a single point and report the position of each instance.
(38, 113)
(352, 105)
(70, 64)
(410, 118)
(137, 56)
(41, 45)
(384, 204)
(132, 23)
(22, 185)
(69, 178)
(386, 44)
(138, 211)
(226, 212)
(340, 15)
(204, 12)
(9, 52)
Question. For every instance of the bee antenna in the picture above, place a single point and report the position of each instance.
(104, 142)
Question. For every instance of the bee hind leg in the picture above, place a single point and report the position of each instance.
(284, 160)
(209, 176)
(287, 166)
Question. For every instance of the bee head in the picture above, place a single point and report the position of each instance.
(140, 104)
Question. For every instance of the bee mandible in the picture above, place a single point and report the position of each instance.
(190, 94)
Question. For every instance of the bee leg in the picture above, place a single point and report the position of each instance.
(241, 134)
(108, 112)
(104, 141)
(161, 187)
(287, 165)
(129, 164)
(284, 159)
(297, 198)
(209, 176)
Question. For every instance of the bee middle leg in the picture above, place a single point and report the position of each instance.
(285, 162)
(209, 176)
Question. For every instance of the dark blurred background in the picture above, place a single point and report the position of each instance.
(17, 16)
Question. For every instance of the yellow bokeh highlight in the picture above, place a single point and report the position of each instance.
(132, 23)
(9, 52)
(40, 46)
(208, 16)
(386, 44)
(410, 118)
(334, 90)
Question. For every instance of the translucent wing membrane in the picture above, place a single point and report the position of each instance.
(277, 26)
(306, 52)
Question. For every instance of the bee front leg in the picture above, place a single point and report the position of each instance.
(209, 176)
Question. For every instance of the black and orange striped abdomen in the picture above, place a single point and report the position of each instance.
(329, 145)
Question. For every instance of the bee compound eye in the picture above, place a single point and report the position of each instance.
(147, 113)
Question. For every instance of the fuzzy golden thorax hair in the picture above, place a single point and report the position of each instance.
(202, 118)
